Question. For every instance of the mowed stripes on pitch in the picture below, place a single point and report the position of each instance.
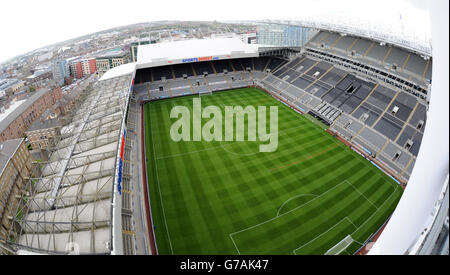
(210, 190)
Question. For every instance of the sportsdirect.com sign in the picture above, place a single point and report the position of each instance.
(198, 59)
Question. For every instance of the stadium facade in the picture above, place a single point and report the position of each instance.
(283, 35)
(91, 193)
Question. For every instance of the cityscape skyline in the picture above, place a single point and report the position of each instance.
(26, 39)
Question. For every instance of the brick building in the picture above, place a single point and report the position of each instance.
(43, 130)
(76, 69)
(18, 121)
(15, 168)
(89, 66)
(83, 67)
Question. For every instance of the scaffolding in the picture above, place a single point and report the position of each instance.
(68, 206)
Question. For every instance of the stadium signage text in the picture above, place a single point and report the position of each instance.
(119, 176)
(198, 59)
(212, 129)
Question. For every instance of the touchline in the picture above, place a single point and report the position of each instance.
(212, 129)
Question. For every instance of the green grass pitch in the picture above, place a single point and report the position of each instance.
(227, 198)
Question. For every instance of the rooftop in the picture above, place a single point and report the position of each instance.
(141, 40)
(7, 150)
(119, 71)
(112, 54)
(193, 50)
(8, 82)
(19, 109)
(39, 73)
(13, 105)
(40, 124)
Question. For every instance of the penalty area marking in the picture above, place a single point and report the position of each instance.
(361, 194)
(298, 207)
(381, 206)
(356, 227)
(291, 198)
(235, 246)
(369, 218)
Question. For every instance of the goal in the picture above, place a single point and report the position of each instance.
(340, 246)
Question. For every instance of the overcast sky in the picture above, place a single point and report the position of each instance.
(28, 25)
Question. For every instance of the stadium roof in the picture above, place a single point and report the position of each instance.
(388, 32)
(119, 71)
(194, 50)
(73, 200)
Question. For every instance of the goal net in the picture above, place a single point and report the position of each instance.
(340, 246)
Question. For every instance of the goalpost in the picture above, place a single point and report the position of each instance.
(340, 246)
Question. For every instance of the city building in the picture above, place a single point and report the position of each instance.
(65, 104)
(61, 71)
(76, 70)
(15, 168)
(134, 47)
(44, 57)
(88, 66)
(283, 35)
(15, 123)
(111, 59)
(9, 86)
(39, 76)
(249, 38)
(50, 114)
(82, 67)
(43, 130)
(4, 104)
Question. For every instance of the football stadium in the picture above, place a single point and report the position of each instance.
(352, 112)
(333, 181)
